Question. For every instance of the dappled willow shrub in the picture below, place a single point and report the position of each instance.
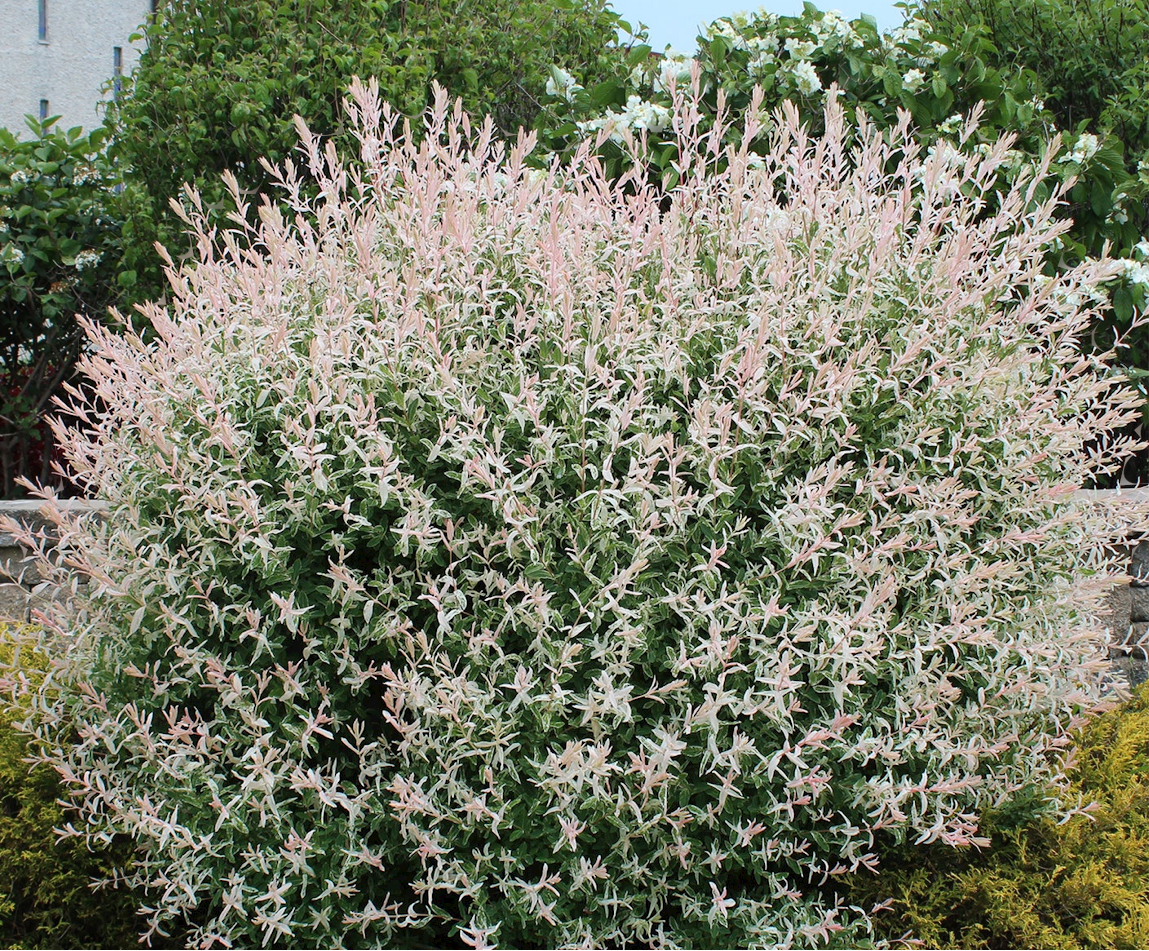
(495, 556)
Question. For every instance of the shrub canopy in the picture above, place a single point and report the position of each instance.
(59, 249)
(496, 554)
(1078, 75)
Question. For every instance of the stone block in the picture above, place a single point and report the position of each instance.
(13, 602)
(1138, 603)
(1117, 611)
(1136, 641)
(1139, 565)
(17, 565)
(1134, 670)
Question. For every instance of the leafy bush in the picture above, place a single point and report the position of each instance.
(219, 82)
(59, 246)
(496, 555)
(1080, 884)
(46, 899)
(799, 59)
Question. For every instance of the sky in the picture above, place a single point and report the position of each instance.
(676, 22)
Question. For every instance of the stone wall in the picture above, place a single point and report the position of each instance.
(22, 589)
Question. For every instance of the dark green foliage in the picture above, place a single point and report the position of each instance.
(46, 900)
(1080, 884)
(220, 82)
(1092, 59)
(59, 247)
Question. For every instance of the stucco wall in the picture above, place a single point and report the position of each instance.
(71, 66)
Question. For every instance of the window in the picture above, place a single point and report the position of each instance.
(117, 71)
(43, 109)
(43, 21)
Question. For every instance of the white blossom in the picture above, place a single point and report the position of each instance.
(674, 68)
(87, 258)
(913, 80)
(1135, 272)
(561, 83)
(1084, 149)
(951, 125)
(806, 78)
(799, 49)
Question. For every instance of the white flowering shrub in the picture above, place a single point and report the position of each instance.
(943, 62)
(493, 556)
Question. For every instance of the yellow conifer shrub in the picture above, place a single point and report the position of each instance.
(1083, 883)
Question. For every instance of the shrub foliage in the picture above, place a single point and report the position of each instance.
(1079, 884)
(219, 82)
(59, 246)
(1037, 70)
(497, 555)
(46, 895)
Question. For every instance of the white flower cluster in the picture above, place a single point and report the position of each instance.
(806, 78)
(932, 52)
(85, 174)
(12, 256)
(834, 30)
(799, 49)
(761, 36)
(1084, 149)
(1119, 214)
(638, 116)
(909, 32)
(87, 258)
(952, 125)
(561, 83)
(673, 69)
(728, 31)
(913, 80)
(1073, 298)
(1135, 272)
(20, 177)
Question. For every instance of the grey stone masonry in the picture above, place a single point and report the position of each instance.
(22, 586)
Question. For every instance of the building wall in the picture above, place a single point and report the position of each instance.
(68, 67)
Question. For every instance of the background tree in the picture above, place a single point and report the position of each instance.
(59, 248)
(1092, 63)
(220, 82)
